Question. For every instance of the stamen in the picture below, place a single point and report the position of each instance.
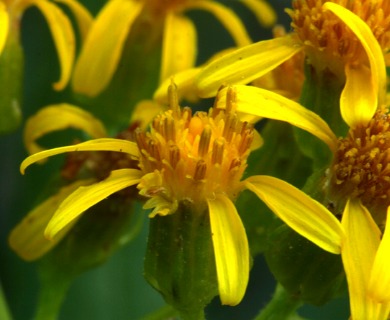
(169, 129)
(218, 148)
(204, 141)
(230, 125)
(236, 162)
(200, 170)
(153, 150)
(174, 100)
(174, 155)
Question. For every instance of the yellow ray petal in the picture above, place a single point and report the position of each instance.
(184, 81)
(27, 238)
(227, 17)
(85, 197)
(246, 64)
(64, 40)
(358, 100)
(105, 144)
(4, 25)
(58, 117)
(179, 45)
(360, 244)
(384, 311)
(101, 52)
(377, 78)
(263, 11)
(303, 214)
(379, 285)
(83, 17)
(230, 249)
(266, 104)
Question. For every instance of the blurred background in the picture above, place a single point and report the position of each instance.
(117, 289)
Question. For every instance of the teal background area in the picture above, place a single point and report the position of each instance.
(117, 289)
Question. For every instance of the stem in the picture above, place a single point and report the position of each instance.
(51, 298)
(4, 311)
(166, 312)
(281, 306)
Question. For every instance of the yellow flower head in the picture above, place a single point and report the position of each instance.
(197, 159)
(365, 79)
(328, 41)
(193, 157)
(361, 165)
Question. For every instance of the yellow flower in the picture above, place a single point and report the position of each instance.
(332, 37)
(358, 181)
(199, 160)
(59, 24)
(102, 51)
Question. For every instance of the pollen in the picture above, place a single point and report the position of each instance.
(196, 155)
(327, 37)
(362, 163)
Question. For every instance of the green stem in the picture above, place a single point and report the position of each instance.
(4, 311)
(51, 298)
(281, 306)
(166, 312)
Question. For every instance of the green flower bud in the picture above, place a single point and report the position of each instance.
(180, 260)
(306, 271)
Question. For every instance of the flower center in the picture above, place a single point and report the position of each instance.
(362, 164)
(192, 157)
(327, 37)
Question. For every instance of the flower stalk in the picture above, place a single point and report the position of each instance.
(180, 262)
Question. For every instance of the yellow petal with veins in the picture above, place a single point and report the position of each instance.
(373, 89)
(246, 64)
(227, 17)
(303, 214)
(4, 25)
(359, 247)
(101, 52)
(263, 103)
(104, 144)
(85, 197)
(83, 18)
(179, 45)
(63, 36)
(230, 248)
(58, 117)
(380, 275)
(27, 238)
(263, 11)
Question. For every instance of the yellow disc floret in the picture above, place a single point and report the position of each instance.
(327, 37)
(192, 157)
(362, 164)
